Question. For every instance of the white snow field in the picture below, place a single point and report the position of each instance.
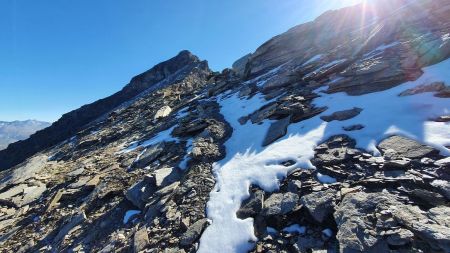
(384, 113)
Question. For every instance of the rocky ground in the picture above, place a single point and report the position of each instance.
(138, 178)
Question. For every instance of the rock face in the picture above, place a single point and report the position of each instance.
(139, 171)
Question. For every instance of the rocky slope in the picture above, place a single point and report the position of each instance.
(333, 136)
(18, 130)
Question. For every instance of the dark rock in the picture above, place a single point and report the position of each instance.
(149, 155)
(432, 87)
(190, 127)
(193, 232)
(427, 198)
(342, 115)
(251, 206)
(276, 130)
(353, 127)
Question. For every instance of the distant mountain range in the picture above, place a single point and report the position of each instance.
(18, 130)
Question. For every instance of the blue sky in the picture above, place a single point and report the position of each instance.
(56, 55)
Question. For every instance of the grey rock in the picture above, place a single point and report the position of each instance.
(251, 206)
(136, 193)
(320, 204)
(25, 171)
(405, 147)
(149, 155)
(29, 195)
(193, 232)
(16, 190)
(166, 176)
(140, 241)
(204, 149)
(412, 218)
(442, 186)
(64, 230)
(400, 237)
(441, 215)
(280, 204)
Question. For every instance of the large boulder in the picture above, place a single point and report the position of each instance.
(280, 204)
(404, 147)
(320, 204)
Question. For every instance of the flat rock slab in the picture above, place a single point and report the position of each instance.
(405, 147)
(26, 171)
(342, 115)
(276, 130)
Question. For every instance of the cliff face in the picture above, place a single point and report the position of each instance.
(70, 123)
(332, 136)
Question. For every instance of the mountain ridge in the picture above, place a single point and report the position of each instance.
(323, 139)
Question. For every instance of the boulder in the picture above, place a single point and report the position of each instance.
(276, 130)
(407, 148)
(342, 115)
(251, 206)
(140, 240)
(280, 204)
(135, 194)
(320, 204)
(432, 87)
(193, 232)
(163, 112)
(149, 155)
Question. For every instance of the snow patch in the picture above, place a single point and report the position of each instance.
(183, 163)
(325, 179)
(384, 113)
(295, 228)
(129, 214)
(313, 59)
(160, 137)
(327, 232)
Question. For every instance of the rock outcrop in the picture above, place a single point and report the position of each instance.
(269, 143)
